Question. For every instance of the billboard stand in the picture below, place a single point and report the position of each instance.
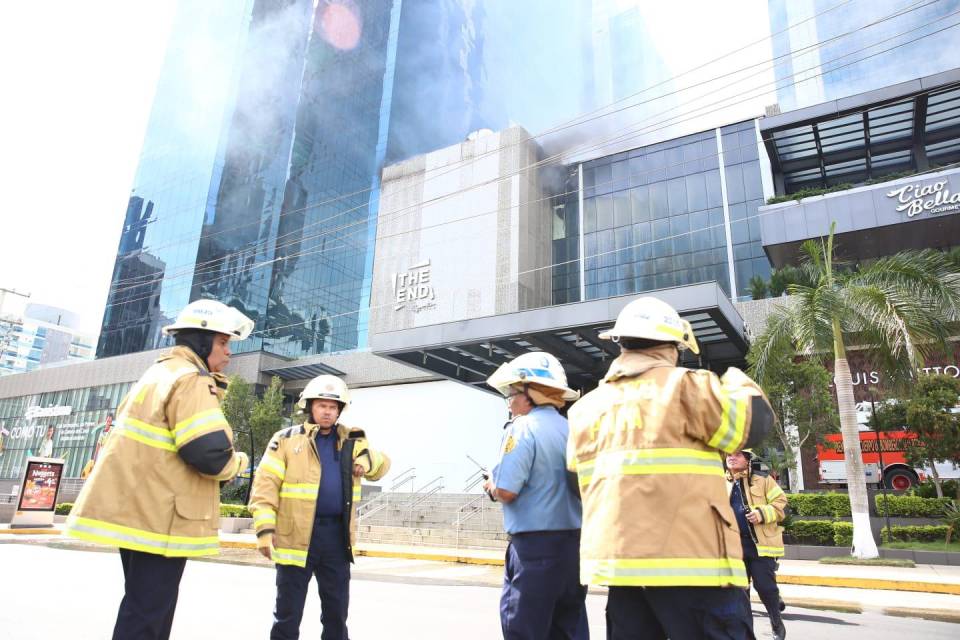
(39, 489)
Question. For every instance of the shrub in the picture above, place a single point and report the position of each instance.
(924, 533)
(843, 534)
(63, 509)
(234, 511)
(812, 531)
(806, 193)
(234, 492)
(929, 490)
(912, 506)
(836, 505)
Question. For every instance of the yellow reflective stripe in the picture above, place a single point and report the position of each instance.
(140, 540)
(144, 433)
(273, 465)
(294, 557)
(203, 421)
(672, 331)
(770, 552)
(774, 493)
(733, 420)
(357, 493)
(662, 572)
(264, 516)
(769, 513)
(299, 490)
(650, 461)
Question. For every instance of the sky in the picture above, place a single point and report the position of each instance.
(78, 84)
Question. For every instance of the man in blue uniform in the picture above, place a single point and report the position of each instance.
(542, 596)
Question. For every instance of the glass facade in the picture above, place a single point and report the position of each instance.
(867, 45)
(258, 197)
(654, 218)
(76, 433)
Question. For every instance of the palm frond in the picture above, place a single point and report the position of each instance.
(775, 341)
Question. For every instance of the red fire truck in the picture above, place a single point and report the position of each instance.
(895, 473)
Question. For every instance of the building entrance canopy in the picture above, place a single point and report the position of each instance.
(469, 351)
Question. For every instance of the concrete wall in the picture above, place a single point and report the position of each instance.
(468, 225)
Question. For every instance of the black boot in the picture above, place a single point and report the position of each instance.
(783, 605)
(776, 624)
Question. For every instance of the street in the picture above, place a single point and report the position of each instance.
(53, 593)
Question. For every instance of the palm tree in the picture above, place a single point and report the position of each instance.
(899, 307)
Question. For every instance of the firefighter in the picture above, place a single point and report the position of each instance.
(304, 496)
(542, 595)
(155, 490)
(765, 509)
(657, 524)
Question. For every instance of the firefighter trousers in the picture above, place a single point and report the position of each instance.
(542, 598)
(763, 573)
(151, 584)
(679, 613)
(328, 562)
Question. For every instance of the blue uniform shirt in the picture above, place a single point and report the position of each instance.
(533, 465)
(330, 495)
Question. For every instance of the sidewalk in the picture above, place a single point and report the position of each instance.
(922, 579)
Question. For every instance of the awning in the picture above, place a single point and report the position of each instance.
(909, 126)
(468, 351)
(303, 371)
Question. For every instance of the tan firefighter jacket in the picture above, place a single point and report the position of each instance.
(284, 497)
(644, 445)
(156, 485)
(766, 497)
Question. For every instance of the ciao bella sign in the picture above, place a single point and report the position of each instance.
(934, 198)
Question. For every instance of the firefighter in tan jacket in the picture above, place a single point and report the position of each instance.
(304, 496)
(155, 490)
(657, 525)
(759, 504)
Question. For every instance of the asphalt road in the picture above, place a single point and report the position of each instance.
(60, 593)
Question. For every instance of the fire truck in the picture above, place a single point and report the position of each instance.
(895, 473)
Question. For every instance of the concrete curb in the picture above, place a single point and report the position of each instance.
(462, 558)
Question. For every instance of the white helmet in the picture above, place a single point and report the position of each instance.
(325, 387)
(532, 368)
(652, 319)
(211, 315)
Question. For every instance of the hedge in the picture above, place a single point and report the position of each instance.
(924, 533)
(811, 531)
(836, 505)
(912, 506)
(843, 534)
(226, 510)
(234, 511)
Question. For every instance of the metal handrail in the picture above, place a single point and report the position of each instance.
(410, 475)
(424, 492)
(473, 480)
(372, 506)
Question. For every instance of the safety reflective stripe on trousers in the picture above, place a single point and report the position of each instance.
(140, 540)
(650, 461)
(296, 557)
(203, 421)
(274, 466)
(729, 435)
(357, 492)
(264, 517)
(665, 572)
(769, 552)
(299, 490)
(144, 433)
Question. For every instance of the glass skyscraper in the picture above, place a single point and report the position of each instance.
(258, 183)
(826, 50)
(258, 174)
